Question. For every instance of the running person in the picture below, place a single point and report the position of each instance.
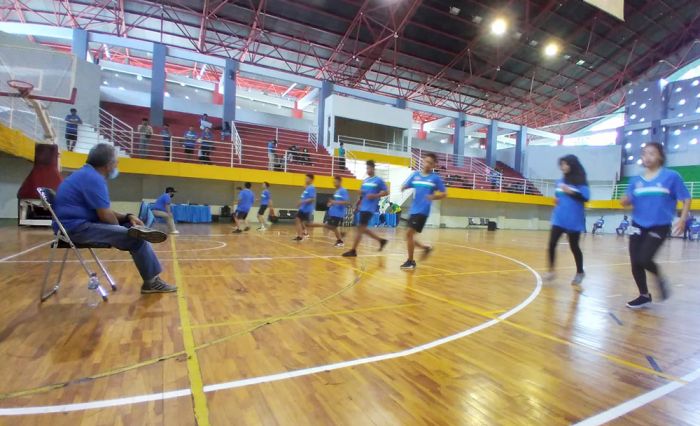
(568, 216)
(373, 188)
(246, 198)
(265, 202)
(336, 211)
(306, 208)
(428, 186)
(653, 197)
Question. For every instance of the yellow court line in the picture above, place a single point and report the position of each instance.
(612, 358)
(194, 372)
(330, 312)
(234, 274)
(453, 274)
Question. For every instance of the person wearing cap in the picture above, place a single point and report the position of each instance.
(162, 209)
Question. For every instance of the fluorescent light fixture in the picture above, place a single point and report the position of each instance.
(289, 89)
(630, 158)
(106, 83)
(633, 116)
(677, 132)
(645, 132)
(679, 89)
(681, 102)
(676, 146)
(642, 106)
(694, 141)
(499, 26)
(628, 145)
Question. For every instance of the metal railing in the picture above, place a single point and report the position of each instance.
(115, 130)
(313, 136)
(237, 144)
(369, 143)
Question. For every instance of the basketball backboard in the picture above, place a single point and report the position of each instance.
(51, 73)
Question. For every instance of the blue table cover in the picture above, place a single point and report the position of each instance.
(391, 219)
(182, 213)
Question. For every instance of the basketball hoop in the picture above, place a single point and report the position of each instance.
(22, 87)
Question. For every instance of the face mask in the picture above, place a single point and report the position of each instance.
(113, 173)
(172, 195)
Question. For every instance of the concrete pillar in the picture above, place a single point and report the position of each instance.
(229, 82)
(458, 140)
(401, 103)
(158, 84)
(492, 144)
(79, 46)
(325, 92)
(520, 144)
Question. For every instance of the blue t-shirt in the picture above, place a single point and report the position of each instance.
(271, 147)
(165, 135)
(72, 121)
(246, 198)
(309, 192)
(423, 186)
(338, 210)
(371, 185)
(655, 200)
(265, 197)
(161, 202)
(569, 211)
(190, 139)
(79, 197)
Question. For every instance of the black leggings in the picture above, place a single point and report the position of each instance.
(574, 237)
(643, 247)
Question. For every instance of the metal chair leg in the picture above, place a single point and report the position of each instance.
(85, 266)
(104, 270)
(44, 295)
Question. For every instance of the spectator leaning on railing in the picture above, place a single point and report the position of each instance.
(206, 145)
(167, 140)
(145, 131)
(72, 122)
(190, 141)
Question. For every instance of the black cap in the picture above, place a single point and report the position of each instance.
(170, 189)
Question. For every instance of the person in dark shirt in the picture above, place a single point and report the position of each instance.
(72, 122)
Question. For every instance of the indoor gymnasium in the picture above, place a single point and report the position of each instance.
(349, 212)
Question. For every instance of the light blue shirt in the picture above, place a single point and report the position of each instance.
(338, 210)
(655, 200)
(309, 193)
(371, 185)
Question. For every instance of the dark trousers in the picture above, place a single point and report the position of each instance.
(574, 238)
(643, 247)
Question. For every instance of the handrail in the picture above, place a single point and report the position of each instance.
(313, 136)
(370, 143)
(237, 143)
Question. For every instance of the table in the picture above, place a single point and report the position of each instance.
(391, 219)
(181, 213)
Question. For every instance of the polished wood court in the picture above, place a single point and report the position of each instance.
(255, 313)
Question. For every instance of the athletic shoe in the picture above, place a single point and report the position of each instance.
(297, 239)
(247, 228)
(409, 265)
(339, 243)
(578, 279)
(426, 252)
(350, 253)
(664, 288)
(157, 286)
(382, 243)
(548, 276)
(147, 234)
(175, 232)
(261, 228)
(237, 231)
(639, 302)
(307, 236)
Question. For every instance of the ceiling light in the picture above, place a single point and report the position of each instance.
(628, 145)
(187, 97)
(454, 10)
(676, 146)
(533, 43)
(182, 84)
(642, 106)
(644, 144)
(634, 103)
(629, 133)
(581, 62)
(630, 91)
(679, 89)
(499, 26)
(639, 161)
(476, 19)
(443, 140)
(694, 141)
(677, 132)
(116, 75)
(642, 120)
(551, 49)
(695, 83)
(105, 83)
(121, 88)
(167, 94)
(567, 57)
(681, 102)
(646, 89)
(680, 114)
(696, 127)
(633, 116)
(630, 158)
(645, 132)
(139, 77)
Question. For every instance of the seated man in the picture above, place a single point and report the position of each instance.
(163, 209)
(82, 204)
(622, 229)
(598, 225)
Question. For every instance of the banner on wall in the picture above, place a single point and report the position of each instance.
(614, 7)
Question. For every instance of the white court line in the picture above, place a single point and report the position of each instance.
(221, 245)
(639, 401)
(12, 256)
(207, 259)
(63, 408)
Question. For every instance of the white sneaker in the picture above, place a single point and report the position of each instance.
(261, 228)
(175, 232)
(548, 276)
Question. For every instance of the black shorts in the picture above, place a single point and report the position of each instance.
(241, 215)
(305, 217)
(71, 136)
(261, 210)
(335, 221)
(417, 222)
(365, 218)
(189, 150)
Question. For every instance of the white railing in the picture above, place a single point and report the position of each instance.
(16, 114)
(115, 130)
(237, 144)
(369, 143)
(447, 161)
(313, 136)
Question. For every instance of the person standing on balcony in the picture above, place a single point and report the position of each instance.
(271, 147)
(265, 202)
(166, 137)
(654, 196)
(72, 122)
(145, 131)
(568, 216)
(428, 187)
(373, 188)
(204, 122)
(246, 198)
(162, 208)
(190, 141)
(341, 155)
(206, 146)
(226, 132)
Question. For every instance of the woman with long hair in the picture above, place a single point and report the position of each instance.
(653, 196)
(568, 216)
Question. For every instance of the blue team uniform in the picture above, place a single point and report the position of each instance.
(655, 200)
(569, 211)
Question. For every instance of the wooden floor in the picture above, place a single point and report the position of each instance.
(267, 331)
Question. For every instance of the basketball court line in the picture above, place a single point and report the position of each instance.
(12, 256)
(62, 408)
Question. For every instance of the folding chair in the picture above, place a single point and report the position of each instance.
(64, 242)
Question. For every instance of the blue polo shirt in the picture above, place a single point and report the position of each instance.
(246, 198)
(72, 121)
(166, 136)
(309, 192)
(371, 185)
(654, 201)
(190, 139)
(162, 202)
(338, 210)
(569, 211)
(423, 186)
(79, 196)
(271, 147)
(265, 197)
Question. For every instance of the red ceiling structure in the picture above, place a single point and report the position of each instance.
(437, 52)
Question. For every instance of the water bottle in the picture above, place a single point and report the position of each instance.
(93, 294)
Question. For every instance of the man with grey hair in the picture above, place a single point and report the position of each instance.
(82, 204)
